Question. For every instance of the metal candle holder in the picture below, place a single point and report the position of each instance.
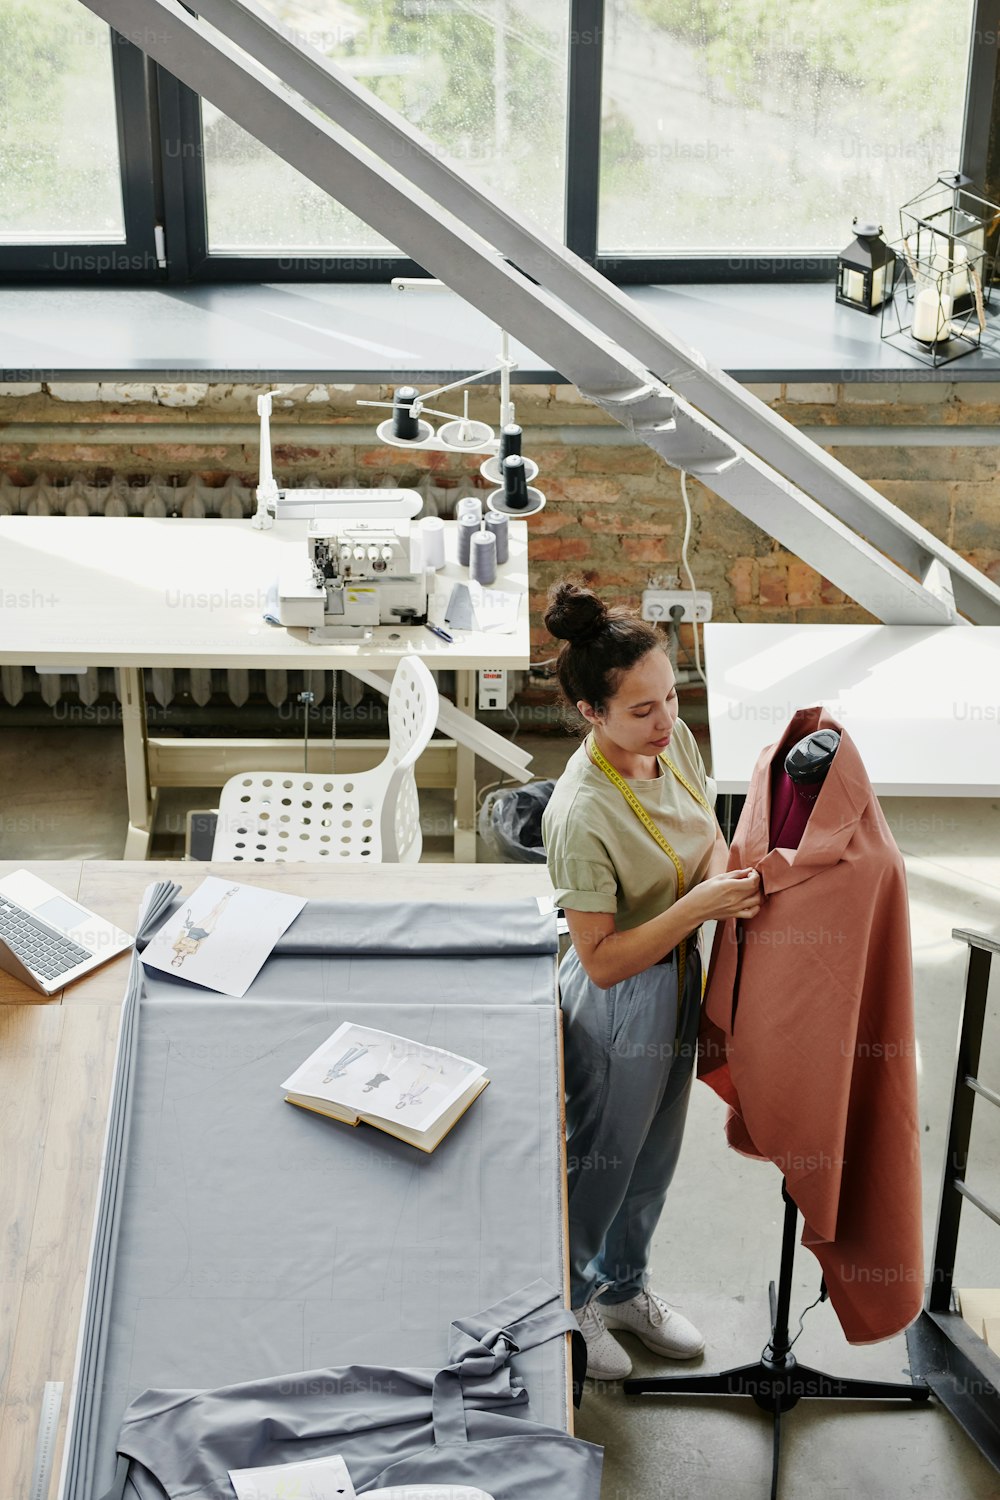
(924, 317)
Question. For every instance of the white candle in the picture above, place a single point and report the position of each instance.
(853, 286)
(931, 312)
(878, 286)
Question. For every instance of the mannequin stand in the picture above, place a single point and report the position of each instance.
(777, 1382)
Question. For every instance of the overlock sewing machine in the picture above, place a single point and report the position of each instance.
(360, 572)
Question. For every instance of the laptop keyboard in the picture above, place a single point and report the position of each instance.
(46, 953)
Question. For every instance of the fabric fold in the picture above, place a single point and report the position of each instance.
(466, 1423)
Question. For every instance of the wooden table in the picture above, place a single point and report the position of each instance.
(135, 592)
(56, 1059)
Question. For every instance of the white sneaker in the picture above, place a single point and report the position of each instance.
(658, 1326)
(606, 1359)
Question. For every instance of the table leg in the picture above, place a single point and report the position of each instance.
(141, 800)
(465, 775)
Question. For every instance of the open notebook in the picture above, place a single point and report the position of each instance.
(406, 1088)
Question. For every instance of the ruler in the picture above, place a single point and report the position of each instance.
(45, 1443)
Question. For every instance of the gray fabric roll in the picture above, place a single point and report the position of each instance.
(78, 1462)
(250, 1237)
(481, 928)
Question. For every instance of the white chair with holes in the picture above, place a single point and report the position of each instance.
(268, 817)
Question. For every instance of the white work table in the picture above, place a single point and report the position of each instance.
(135, 592)
(921, 703)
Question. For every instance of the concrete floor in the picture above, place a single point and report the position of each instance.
(62, 796)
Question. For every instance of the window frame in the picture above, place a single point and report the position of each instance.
(163, 182)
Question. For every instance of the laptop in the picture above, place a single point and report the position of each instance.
(46, 939)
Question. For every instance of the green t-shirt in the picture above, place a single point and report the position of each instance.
(601, 858)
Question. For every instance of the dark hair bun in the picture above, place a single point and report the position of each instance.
(574, 614)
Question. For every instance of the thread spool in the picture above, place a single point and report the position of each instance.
(510, 442)
(483, 557)
(405, 425)
(468, 527)
(432, 534)
(469, 505)
(497, 524)
(515, 483)
(417, 551)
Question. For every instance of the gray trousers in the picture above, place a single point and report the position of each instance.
(628, 1080)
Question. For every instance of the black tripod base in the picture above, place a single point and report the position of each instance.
(776, 1388)
(776, 1381)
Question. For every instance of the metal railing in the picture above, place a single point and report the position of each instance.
(960, 1367)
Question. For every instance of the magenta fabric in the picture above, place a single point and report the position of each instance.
(791, 805)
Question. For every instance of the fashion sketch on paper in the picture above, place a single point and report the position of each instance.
(191, 935)
(353, 1054)
(412, 1094)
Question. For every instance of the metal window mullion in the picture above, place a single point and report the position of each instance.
(294, 266)
(719, 268)
(180, 156)
(979, 161)
(583, 126)
(135, 156)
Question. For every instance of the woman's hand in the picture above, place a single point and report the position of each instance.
(734, 894)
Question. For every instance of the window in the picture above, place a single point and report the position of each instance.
(484, 79)
(666, 139)
(76, 152)
(733, 127)
(59, 163)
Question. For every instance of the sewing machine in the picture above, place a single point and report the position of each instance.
(356, 573)
(362, 565)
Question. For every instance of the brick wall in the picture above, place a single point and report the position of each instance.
(614, 513)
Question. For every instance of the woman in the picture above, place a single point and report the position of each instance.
(638, 862)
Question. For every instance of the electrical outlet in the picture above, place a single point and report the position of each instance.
(657, 604)
(494, 687)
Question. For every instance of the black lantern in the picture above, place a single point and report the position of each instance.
(864, 269)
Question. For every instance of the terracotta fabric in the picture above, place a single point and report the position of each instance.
(819, 1066)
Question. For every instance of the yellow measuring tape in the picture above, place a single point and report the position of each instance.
(647, 822)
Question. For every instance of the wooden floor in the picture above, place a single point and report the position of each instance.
(56, 1064)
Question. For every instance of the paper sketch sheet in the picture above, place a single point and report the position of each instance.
(377, 1073)
(222, 934)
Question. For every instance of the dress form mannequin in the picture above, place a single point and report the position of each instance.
(776, 1381)
(795, 786)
